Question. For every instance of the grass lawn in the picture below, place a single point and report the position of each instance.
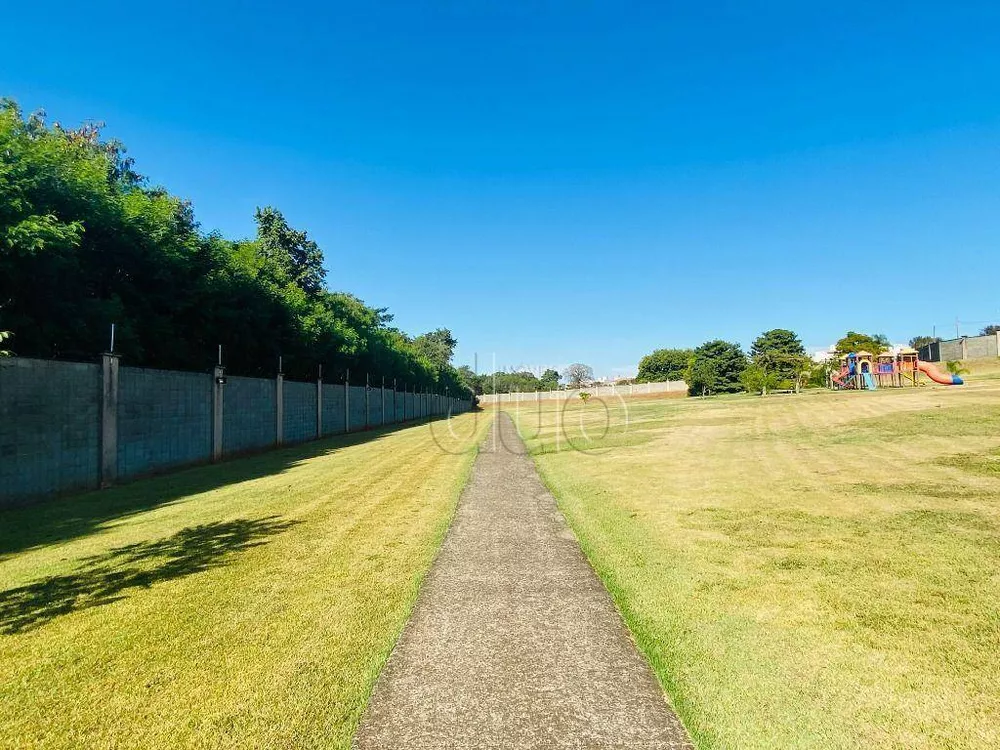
(811, 571)
(248, 604)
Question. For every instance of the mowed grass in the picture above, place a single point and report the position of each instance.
(811, 571)
(248, 604)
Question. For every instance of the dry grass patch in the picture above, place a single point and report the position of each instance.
(802, 571)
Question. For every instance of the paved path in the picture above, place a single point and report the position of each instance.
(514, 642)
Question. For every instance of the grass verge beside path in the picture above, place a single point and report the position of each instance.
(247, 604)
(813, 571)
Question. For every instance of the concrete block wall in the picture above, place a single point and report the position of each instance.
(357, 407)
(300, 412)
(164, 420)
(249, 416)
(48, 438)
(333, 409)
(967, 347)
(68, 426)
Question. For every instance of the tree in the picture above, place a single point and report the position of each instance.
(85, 242)
(291, 251)
(955, 367)
(990, 330)
(438, 346)
(663, 364)
(757, 379)
(779, 352)
(701, 377)
(858, 342)
(577, 374)
(549, 380)
(919, 342)
(715, 367)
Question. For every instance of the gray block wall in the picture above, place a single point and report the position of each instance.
(300, 411)
(164, 419)
(333, 409)
(968, 347)
(249, 415)
(357, 407)
(53, 416)
(49, 441)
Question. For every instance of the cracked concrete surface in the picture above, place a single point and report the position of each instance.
(514, 642)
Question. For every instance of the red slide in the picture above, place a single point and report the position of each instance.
(944, 378)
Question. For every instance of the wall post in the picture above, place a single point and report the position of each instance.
(279, 408)
(218, 383)
(368, 390)
(382, 397)
(965, 348)
(109, 419)
(319, 403)
(347, 402)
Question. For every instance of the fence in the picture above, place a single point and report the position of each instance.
(966, 347)
(603, 391)
(72, 426)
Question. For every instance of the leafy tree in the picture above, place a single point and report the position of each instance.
(779, 352)
(715, 367)
(290, 252)
(857, 342)
(549, 380)
(990, 330)
(664, 364)
(757, 379)
(438, 346)
(577, 374)
(919, 342)
(701, 377)
(955, 367)
(85, 242)
(584, 396)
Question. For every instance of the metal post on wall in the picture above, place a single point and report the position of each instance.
(218, 383)
(109, 416)
(279, 405)
(382, 397)
(319, 403)
(347, 401)
(368, 390)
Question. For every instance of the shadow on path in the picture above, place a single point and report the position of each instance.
(107, 577)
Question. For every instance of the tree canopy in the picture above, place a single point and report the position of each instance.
(715, 367)
(990, 330)
(857, 342)
(85, 241)
(513, 381)
(578, 374)
(664, 364)
(779, 353)
(918, 342)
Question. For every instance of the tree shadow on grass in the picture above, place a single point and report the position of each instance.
(106, 578)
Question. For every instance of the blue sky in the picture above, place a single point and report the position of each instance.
(570, 181)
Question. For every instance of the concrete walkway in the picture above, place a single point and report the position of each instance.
(514, 642)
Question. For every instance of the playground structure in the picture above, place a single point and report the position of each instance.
(866, 371)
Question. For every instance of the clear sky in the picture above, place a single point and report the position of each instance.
(570, 181)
